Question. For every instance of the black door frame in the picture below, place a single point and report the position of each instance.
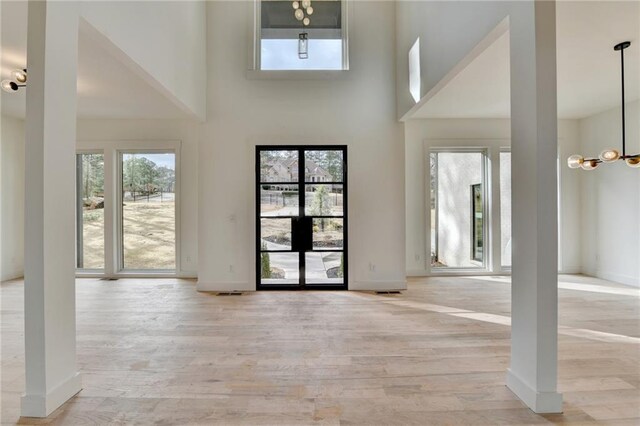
(301, 244)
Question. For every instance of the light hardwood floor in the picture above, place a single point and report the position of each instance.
(158, 352)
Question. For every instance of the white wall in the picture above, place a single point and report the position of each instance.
(448, 31)
(356, 109)
(421, 135)
(162, 130)
(611, 199)
(165, 41)
(12, 190)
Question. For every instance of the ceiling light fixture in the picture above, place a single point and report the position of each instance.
(609, 155)
(19, 80)
(301, 11)
(303, 46)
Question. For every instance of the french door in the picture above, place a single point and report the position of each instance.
(301, 217)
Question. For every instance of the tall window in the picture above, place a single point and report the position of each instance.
(148, 210)
(316, 41)
(90, 211)
(505, 207)
(458, 206)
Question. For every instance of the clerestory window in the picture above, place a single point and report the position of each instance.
(301, 35)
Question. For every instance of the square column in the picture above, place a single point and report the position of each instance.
(50, 310)
(532, 375)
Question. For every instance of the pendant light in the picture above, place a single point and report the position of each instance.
(19, 79)
(609, 155)
(303, 46)
(301, 11)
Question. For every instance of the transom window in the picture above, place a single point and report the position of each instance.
(301, 35)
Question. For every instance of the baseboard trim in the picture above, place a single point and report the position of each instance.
(619, 278)
(225, 286)
(378, 285)
(538, 402)
(43, 405)
(187, 275)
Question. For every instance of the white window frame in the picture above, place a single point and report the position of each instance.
(255, 70)
(113, 248)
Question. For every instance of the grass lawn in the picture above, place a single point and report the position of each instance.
(149, 236)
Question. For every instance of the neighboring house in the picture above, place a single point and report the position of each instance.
(287, 171)
(315, 173)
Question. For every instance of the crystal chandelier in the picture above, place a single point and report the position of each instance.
(609, 155)
(302, 11)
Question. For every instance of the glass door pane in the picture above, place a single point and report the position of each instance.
(90, 211)
(324, 166)
(324, 267)
(279, 268)
(324, 200)
(328, 234)
(148, 210)
(324, 206)
(279, 195)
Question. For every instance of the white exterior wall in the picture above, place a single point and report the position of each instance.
(12, 203)
(610, 199)
(456, 173)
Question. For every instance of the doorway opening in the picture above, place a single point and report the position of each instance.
(301, 217)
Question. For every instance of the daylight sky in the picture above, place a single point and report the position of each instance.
(282, 54)
(166, 160)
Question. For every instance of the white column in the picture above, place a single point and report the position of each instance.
(50, 311)
(532, 375)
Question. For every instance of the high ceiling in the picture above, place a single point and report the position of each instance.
(588, 70)
(588, 67)
(106, 87)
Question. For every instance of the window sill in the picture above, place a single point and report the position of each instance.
(297, 74)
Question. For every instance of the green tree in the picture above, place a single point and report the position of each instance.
(92, 175)
(149, 173)
(131, 178)
(140, 174)
(266, 262)
(321, 205)
(166, 179)
(333, 164)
